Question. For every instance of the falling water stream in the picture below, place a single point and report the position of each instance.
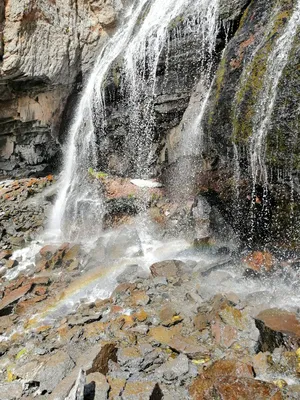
(78, 211)
(265, 104)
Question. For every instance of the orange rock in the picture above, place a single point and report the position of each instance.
(23, 306)
(40, 290)
(48, 251)
(259, 260)
(141, 316)
(246, 389)
(139, 298)
(213, 381)
(5, 254)
(15, 295)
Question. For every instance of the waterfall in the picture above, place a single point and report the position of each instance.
(266, 102)
(145, 33)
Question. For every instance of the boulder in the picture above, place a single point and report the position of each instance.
(167, 269)
(277, 328)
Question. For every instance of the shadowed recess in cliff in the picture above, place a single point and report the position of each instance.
(148, 29)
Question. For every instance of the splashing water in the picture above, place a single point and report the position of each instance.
(265, 104)
(78, 211)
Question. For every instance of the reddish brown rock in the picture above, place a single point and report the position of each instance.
(15, 295)
(71, 254)
(40, 280)
(277, 327)
(11, 263)
(260, 261)
(5, 254)
(247, 389)
(26, 305)
(40, 290)
(169, 316)
(213, 382)
(168, 269)
(100, 363)
(48, 251)
(123, 288)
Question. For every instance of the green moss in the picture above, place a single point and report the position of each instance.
(251, 85)
(219, 83)
(97, 174)
(176, 22)
(21, 353)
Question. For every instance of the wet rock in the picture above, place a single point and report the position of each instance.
(5, 254)
(277, 327)
(17, 242)
(123, 289)
(11, 264)
(14, 296)
(125, 243)
(47, 252)
(167, 269)
(131, 274)
(71, 254)
(139, 298)
(259, 261)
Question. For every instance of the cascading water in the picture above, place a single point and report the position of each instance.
(145, 34)
(266, 102)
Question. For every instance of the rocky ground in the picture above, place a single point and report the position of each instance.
(161, 334)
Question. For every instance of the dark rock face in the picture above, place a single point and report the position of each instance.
(126, 139)
(230, 123)
(45, 49)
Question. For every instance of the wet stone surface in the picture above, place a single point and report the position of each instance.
(154, 338)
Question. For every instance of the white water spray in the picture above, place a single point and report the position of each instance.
(78, 211)
(265, 105)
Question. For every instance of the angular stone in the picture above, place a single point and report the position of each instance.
(174, 368)
(169, 316)
(96, 387)
(83, 362)
(130, 358)
(5, 254)
(11, 264)
(48, 370)
(232, 388)
(15, 295)
(116, 387)
(167, 269)
(11, 391)
(141, 390)
(203, 387)
(260, 261)
(71, 254)
(48, 251)
(139, 298)
(100, 363)
(277, 327)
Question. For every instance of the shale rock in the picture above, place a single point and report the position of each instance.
(277, 328)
